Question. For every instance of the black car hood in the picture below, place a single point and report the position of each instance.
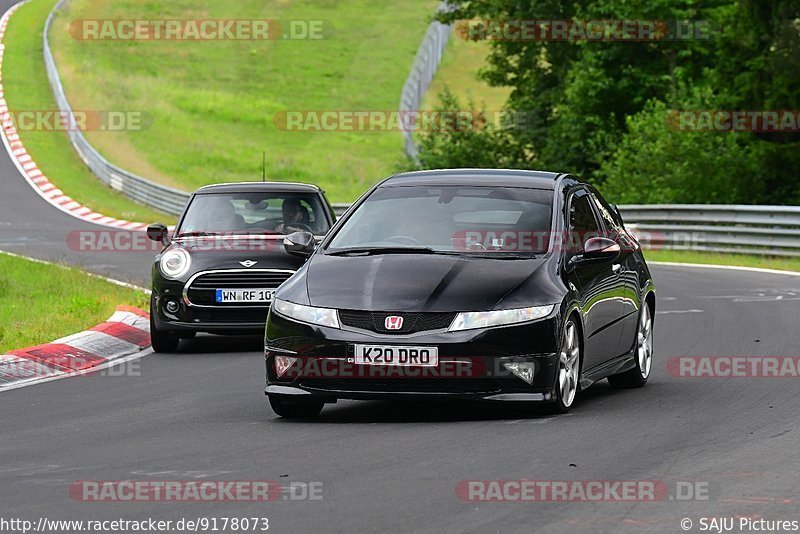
(221, 253)
(412, 282)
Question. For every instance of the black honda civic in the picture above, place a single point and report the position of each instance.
(220, 268)
(479, 284)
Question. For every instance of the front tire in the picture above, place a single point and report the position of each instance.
(293, 409)
(637, 377)
(569, 368)
(160, 340)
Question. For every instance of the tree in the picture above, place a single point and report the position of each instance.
(597, 103)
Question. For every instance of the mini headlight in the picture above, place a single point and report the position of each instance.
(175, 263)
(470, 320)
(307, 314)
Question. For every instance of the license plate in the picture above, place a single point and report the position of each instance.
(245, 295)
(396, 355)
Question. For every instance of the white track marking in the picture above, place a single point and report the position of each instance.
(93, 275)
(91, 370)
(724, 267)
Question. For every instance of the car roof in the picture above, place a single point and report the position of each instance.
(487, 177)
(256, 187)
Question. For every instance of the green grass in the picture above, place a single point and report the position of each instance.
(458, 72)
(40, 303)
(26, 88)
(712, 258)
(213, 104)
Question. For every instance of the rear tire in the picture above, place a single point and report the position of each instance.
(162, 341)
(643, 352)
(293, 409)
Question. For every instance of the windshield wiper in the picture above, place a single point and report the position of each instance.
(368, 251)
(504, 255)
(196, 234)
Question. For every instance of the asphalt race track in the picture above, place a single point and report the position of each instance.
(394, 467)
(389, 466)
(201, 415)
(31, 226)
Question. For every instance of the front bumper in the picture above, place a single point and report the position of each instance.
(213, 319)
(470, 363)
(328, 396)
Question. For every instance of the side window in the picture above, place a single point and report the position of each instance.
(604, 210)
(582, 222)
(614, 230)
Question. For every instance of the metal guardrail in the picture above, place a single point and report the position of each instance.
(757, 230)
(142, 190)
(425, 65)
(762, 230)
(171, 200)
(339, 208)
(157, 196)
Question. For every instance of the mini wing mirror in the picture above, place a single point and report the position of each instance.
(300, 244)
(600, 248)
(158, 232)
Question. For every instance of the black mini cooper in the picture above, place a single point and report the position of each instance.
(220, 268)
(484, 284)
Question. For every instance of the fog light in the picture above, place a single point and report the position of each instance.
(522, 370)
(283, 363)
(172, 306)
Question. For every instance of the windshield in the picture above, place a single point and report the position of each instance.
(479, 220)
(254, 213)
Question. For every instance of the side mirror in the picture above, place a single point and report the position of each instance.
(300, 244)
(158, 232)
(600, 248)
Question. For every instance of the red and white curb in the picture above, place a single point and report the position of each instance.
(125, 333)
(28, 168)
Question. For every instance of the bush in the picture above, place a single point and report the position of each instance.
(654, 163)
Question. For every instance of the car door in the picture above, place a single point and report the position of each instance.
(597, 282)
(630, 295)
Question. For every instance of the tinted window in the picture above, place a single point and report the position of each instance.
(582, 222)
(451, 218)
(263, 213)
(615, 230)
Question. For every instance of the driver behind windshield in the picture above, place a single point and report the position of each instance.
(295, 217)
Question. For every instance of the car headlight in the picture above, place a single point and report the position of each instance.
(175, 263)
(470, 320)
(307, 314)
